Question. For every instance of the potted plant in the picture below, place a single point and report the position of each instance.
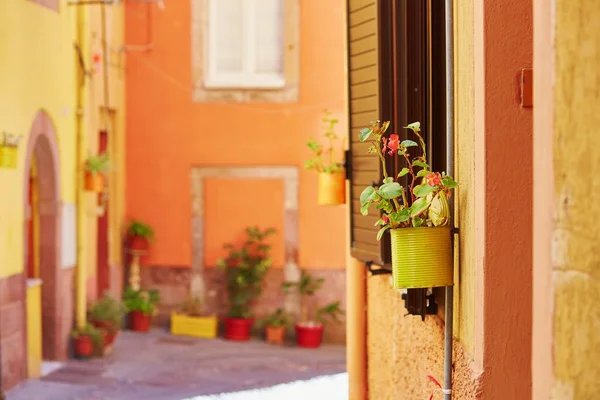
(309, 332)
(9, 151)
(245, 269)
(85, 340)
(332, 178)
(95, 167)
(417, 217)
(139, 235)
(192, 320)
(141, 305)
(107, 313)
(275, 324)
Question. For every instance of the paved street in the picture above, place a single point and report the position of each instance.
(158, 366)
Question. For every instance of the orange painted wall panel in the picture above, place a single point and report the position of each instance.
(167, 133)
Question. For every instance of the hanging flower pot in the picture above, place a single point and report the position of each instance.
(139, 235)
(95, 166)
(332, 188)
(94, 182)
(422, 257)
(8, 157)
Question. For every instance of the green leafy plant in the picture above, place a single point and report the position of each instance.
(277, 319)
(140, 229)
(324, 156)
(307, 286)
(90, 331)
(108, 310)
(97, 164)
(245, 269)
(141, 300)
(425, 202)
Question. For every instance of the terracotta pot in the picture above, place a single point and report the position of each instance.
(83, 346)
(275, 335)
(139, 321)
(309, 336)
(238, 328)
(111, 332)
(332, 189)
(94, 182)
(137, 243)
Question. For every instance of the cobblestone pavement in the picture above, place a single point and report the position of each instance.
(158, 366)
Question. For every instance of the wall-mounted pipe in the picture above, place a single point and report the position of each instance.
(448, 332)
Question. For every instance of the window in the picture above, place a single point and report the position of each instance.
(245, 44)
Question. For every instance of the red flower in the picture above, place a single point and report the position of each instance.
(385, 220)
(434, 179)
(392, 144)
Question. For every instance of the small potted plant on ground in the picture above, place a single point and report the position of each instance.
(95, 167)
(245, 269)
(332, 178)
(141, 305)
(139, 235)
(85, 341)
(192, 320)
(309, 332)
(275, 324)
(107, 313)
(418, 216)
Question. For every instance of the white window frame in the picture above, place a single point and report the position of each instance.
(248, 78)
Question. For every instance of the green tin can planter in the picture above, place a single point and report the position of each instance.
(8, 157)
(422, 257)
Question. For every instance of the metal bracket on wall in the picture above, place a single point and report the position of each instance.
(348, 164)
(418, 302)
(378, 271)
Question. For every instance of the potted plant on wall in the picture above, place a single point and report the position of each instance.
(85, 341)
(332, 178)
(107, 314)
(275, 324)
(95, 167)
(9, 151)
(141, 305)
(139, 235)
(192, 320)
(309, 332)
(245, 269)
(417, 216)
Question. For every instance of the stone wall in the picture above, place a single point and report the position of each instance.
(13, 335)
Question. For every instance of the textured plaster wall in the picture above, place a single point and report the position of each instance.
(404, 350)
(575, 258)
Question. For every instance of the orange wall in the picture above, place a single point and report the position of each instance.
(167, 134)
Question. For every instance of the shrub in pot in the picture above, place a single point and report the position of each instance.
(139, 235)
(309, 330)
(245, 268)
(95, 167)
(275, 324)
(191, 319)
(107, 313)
(417, 216)
(141, 306)
(86, 340)
(332, 177)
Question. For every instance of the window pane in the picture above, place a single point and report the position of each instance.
(229, 28)
(269, 35)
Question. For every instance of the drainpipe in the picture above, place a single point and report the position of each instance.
(81, 289)
(448, 332)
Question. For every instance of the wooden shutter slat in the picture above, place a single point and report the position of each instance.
(368, 43)
(365, 13)
(363, 30)
(363, 89)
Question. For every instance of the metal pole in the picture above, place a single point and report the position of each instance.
(448, 332)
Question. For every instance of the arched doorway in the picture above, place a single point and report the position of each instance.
(42, 235)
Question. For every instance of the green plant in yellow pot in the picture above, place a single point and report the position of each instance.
(418, 216)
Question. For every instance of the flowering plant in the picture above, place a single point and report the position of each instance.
(424, 203)
(330, 165)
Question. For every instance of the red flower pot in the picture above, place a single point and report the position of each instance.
(137, 243)
(111, 332)
(83, 346)
(238, 328)
(309, 336)
(139, 321)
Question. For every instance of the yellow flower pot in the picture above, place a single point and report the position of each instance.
(332, 188)
(8, 157)
(422, 257)
(202, 327)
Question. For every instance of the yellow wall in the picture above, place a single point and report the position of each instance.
(576, 258)
(37, 71)
(34, 330)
